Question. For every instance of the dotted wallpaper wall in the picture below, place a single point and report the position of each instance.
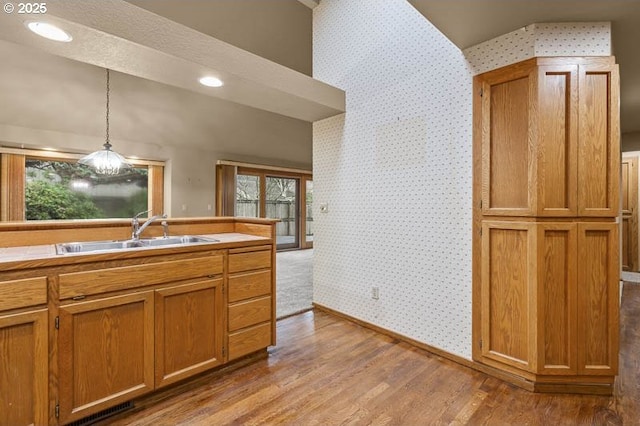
(396, 168)
(543, 39)
(395, 171)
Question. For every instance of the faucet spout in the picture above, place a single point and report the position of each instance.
(137, 229)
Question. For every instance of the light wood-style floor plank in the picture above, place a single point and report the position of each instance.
(329, 371)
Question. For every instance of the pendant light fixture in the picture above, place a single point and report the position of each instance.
(106, 161)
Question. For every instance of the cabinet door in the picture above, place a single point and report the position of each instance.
(598, 298)
(508, 144)
(24, 369)
(557, 146)
(556, 297)
(508, 293)
(598, 141)
(189, 330)
(105, 351)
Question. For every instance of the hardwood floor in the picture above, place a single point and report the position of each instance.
(329, 371)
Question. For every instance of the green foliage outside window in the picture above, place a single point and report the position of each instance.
(66, 190)
(48, 200)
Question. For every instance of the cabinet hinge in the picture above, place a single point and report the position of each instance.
(481, 92)
(57, 411)
(481, 232)
(480, 343)
(57, 323)
(480, 203)
(224, 351)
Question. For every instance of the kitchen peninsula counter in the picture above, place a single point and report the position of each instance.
(87, 332)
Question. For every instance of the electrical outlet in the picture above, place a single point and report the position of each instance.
(375, 293)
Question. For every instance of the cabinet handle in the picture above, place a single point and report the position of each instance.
(80, 297)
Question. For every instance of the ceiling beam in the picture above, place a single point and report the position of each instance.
(311, 4)
(117, 35)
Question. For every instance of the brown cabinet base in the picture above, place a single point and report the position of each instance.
(249, 340)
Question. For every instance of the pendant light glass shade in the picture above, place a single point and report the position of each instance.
(106, 161)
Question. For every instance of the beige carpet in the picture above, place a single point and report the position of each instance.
(294, 282)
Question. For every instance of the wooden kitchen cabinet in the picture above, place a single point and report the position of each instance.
(148, 324)
(84, 334)
(550, 138)
(251, 301)
(24, 361)
(106, 354)
(550, 297)
(546, 199)
(189, 330)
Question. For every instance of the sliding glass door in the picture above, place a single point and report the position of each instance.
(308, 213)
(282, 202)
(269, 192)
(247, 196)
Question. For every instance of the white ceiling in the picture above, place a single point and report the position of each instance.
(469, 22)
(182, 39)
(278, 30)
(120, 36)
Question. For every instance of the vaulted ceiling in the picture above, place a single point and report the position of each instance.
(469, 22)
(280, 31)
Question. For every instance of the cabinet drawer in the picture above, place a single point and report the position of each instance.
(16, 294)
(120, 278)
(252, 284)
(250, 340)
(239, 262)
(248, 313)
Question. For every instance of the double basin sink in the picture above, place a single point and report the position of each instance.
(115, 245)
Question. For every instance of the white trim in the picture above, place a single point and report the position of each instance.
(263, 167)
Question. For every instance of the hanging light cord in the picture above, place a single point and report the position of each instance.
(107, 144)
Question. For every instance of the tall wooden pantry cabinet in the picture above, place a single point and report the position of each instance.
(546, 234)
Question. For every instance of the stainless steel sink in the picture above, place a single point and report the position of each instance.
(183, 239)
(106, 246)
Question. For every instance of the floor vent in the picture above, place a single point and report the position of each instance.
(89, 420)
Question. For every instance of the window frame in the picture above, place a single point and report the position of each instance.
(13, 180)
(226, 173)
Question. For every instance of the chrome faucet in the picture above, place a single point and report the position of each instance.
(165, 229)
(136, 229)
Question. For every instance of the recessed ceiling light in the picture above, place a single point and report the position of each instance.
(49, 31)
(211, 81)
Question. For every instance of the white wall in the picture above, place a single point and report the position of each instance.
(396, 169)
(541, 39)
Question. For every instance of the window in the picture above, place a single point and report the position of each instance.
(43, 185)
(57, 189)
(249, 190)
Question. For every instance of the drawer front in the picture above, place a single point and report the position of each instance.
(249, 340)
(248, 313)
(16, 294)
(252, 284)
(239, 262)
(120, 278)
